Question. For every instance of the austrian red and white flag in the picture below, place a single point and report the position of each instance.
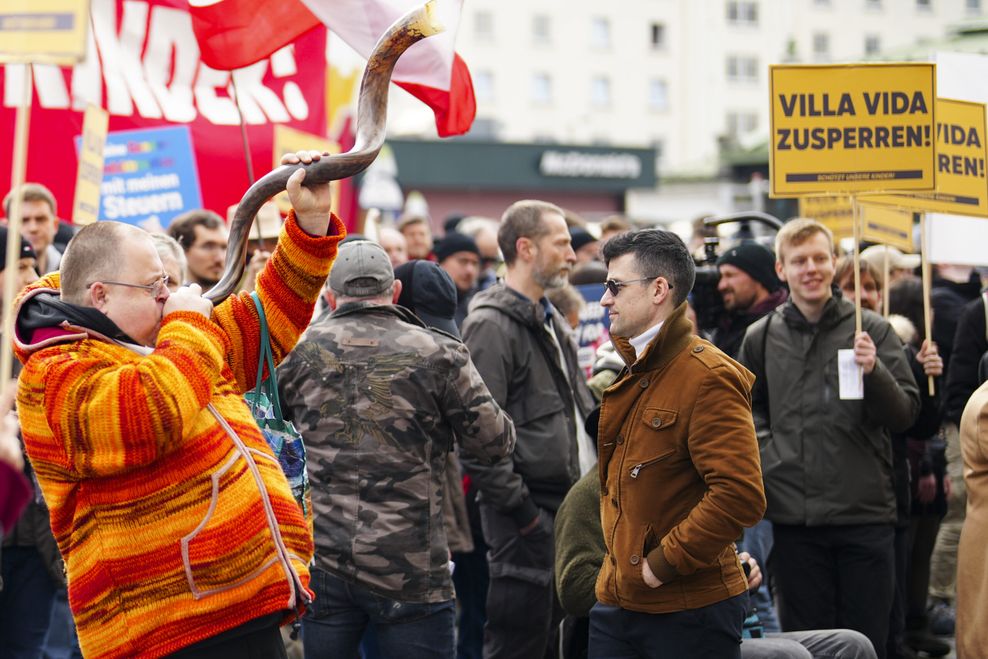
(236, 33)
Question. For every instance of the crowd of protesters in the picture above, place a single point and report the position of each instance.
(774, 483)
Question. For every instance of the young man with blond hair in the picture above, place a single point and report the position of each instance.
(826, 461)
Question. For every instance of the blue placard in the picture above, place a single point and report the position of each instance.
(149, 177)
(594, 326)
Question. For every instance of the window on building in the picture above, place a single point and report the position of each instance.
(658, 36)
(872, 44)
(873, 5)
(658, 95)
(742, 68)
(821, 45)
(924, 5)
(600, 91)
(483, 86)
(541, 29)
(483, 25)
(600, 33)
(659, 144)
(973, 6)
(541, 89)
(740, 123)
(742, 12)
(822, 3)
(484, 128)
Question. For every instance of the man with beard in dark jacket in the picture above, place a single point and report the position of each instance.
(750, 289)
(526, 355)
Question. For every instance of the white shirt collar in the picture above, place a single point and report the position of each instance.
(640, 342)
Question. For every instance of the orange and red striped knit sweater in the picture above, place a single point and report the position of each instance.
(164, 524)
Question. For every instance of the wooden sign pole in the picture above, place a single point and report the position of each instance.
(927, 316)
(856, 220)
(885, 284)
(21, 127)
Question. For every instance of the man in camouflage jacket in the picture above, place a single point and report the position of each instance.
(380, 399)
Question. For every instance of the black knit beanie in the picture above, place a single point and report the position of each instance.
(756, 260)
(26, 250)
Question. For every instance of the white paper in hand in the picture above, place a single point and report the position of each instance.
(851, 376)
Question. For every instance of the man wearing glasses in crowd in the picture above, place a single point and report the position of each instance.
(178, 529)
(679, 467)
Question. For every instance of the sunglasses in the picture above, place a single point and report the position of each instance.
(614, 286)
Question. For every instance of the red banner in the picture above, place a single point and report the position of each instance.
(144, 68)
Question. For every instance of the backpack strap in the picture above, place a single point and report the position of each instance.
(984, 300)
(762, 381)
(265, 355)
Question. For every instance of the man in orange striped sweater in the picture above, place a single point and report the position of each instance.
(178, 529)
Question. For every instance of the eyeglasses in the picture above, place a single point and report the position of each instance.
(155, 289)
(615, 286)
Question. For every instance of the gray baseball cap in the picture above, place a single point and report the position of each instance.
(362, 269)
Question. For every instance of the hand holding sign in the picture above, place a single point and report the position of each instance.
(865, 353)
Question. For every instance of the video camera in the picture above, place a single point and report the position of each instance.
(706, 300)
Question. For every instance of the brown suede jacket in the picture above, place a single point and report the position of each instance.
(680, 473)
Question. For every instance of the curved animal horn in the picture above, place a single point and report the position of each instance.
(372, 106)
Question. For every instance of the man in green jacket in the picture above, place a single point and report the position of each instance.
(827, 460)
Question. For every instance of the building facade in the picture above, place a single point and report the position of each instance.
(683, 77)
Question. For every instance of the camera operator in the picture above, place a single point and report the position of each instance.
(749, 289)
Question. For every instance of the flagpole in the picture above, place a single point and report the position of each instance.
(246, 145)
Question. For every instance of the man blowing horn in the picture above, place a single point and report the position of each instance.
(178, 528)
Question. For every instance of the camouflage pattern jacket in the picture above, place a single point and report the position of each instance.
(380, 399)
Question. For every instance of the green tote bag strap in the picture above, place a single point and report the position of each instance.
(265, 355)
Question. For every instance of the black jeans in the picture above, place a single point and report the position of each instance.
(521, 602)
(263, 643)
(710, 631)
(830, 577)
(470, 579)
(343, 611)
(25, 603)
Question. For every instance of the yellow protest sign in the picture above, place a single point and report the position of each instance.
(961, 143)
(888, 226)
(852, 128)
(834, 212)
(85, 209)
(289, 140)
(43, 31)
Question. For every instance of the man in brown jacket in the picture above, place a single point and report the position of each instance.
(679, 467)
